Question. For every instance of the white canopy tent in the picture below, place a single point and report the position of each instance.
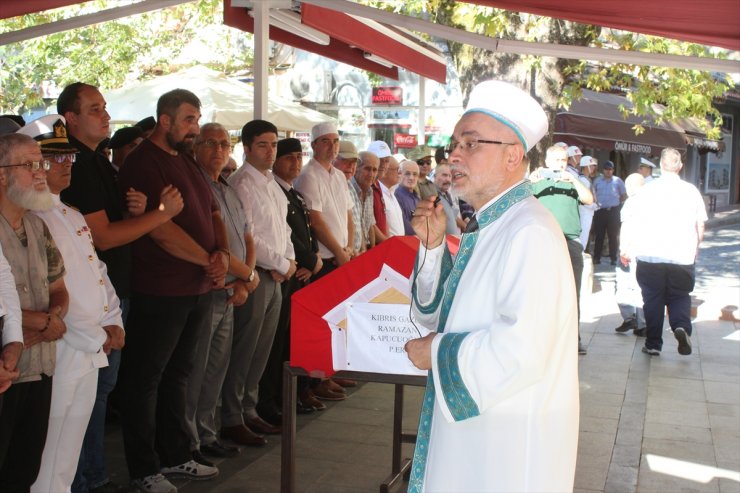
(225, 101)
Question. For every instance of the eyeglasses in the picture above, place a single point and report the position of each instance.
(32, 165)
(61, 158)
(225, 145)
(424, 162)
(469, 145)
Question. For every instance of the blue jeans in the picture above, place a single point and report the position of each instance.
(91, 471)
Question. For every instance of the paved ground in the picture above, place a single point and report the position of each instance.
(662, 424)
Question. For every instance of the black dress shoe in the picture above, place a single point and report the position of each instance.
(275, 419)
(641, 332)
(200, 459)
(217, 449)
(259, 425)
(627, 325)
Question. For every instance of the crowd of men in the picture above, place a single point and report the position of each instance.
(189, 262)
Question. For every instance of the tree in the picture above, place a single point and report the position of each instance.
(111, 53)
(556, 82)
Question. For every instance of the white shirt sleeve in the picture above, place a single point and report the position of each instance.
(10, 306)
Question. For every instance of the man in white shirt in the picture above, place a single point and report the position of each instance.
(388, 185)
(11, 333)
(666, 243)
(325, 190)
(266, 208)
(646, 169)
(94, 324)
(501, 408)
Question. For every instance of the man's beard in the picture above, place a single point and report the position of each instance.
(183, 146)
(29, 199)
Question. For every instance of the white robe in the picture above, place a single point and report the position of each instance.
(519, 363)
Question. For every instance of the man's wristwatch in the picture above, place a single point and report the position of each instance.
(251, 276)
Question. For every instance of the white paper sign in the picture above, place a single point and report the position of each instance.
(376, 335)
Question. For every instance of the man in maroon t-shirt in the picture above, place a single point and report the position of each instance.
(175, 268)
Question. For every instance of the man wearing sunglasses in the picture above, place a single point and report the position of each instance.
(422, 156)
(38, 270)
(501, 407)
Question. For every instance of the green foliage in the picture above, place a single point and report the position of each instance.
(659, 93)
(115, 52)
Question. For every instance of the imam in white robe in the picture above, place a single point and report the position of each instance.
(504, 409)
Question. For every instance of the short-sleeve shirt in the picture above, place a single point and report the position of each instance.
(362, 214)
(326, 192)
(609, 192)
(94, 188)
(561, 199)
(149, 169)
(407, 200)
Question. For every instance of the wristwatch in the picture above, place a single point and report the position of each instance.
(251, 276)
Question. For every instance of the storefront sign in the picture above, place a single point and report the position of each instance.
(387, 95)
(404, 141)
(632, 147)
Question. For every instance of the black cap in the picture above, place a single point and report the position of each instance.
(608, 164)
(8, 126)
(286, 146)
(125, 136)
(16, 118)
(147, 123)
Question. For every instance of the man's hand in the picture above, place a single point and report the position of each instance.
(7, 376)
(218, 264)
(319, 265)
(343, 257)
(10, 355)
(240, 292)
(291, 269)
(420, 351)
(277, 277)
(170, 201)
(135, 202)
(429, 222)
(56, 326)
(625, 259)
(303, 274)
(116, 338)
(535, 176)
(251, 286)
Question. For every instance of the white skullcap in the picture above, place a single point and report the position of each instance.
(587, 161)
(645, 162)
(511, 106)
(574, 151)
(322, 129)
(561, 144)
(379, 148)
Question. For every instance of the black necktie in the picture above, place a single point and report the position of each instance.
(472, 225)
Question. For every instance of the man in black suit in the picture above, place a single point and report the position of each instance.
(287, 167)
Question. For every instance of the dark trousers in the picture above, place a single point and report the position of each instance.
(665, 285)
(161, 344)
(575, 251)
(24, 421)
(606, 223)
(271, 383)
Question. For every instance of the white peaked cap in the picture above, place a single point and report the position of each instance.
(511, 106)
(379, 148)
(574, 151)
(646, 162)
(587, 161)
(323, 129)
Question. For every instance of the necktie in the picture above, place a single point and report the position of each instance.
(472, 225)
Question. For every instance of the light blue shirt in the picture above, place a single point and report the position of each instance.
(609, 192)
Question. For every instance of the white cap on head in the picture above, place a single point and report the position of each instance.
(323, 128)
(587, 161)
(379, 148)
(50, 131)
(574, 151)
(347, 150)
(511, 106)
(646, 162)
(561, 144)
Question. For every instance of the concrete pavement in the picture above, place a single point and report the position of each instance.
(648, 424)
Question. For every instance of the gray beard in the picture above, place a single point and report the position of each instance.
(30, 199)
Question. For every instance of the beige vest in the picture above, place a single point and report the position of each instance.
(30, 269)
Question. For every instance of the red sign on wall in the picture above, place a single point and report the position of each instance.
(404, 141)
(387, 95)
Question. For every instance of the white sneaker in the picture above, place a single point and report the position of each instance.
(191, 470)
(156, 483)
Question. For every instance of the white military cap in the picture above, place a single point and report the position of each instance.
(379, 148)
(511, 106)
(574, 151)
(50, 131)
(587, 161)
(646, 162)
(323, 129)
